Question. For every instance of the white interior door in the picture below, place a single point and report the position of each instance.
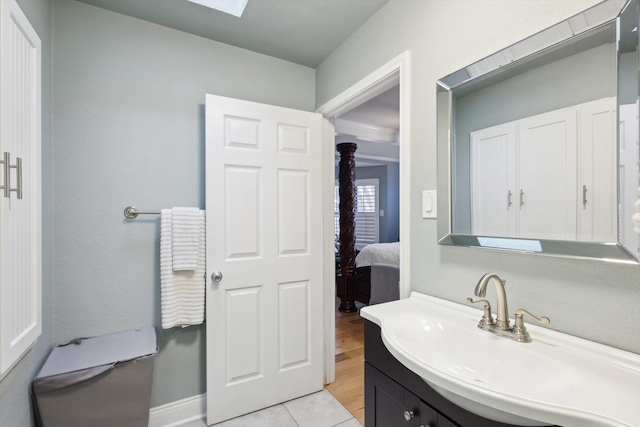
(264, 234)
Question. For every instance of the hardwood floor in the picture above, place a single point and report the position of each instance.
(348, 387)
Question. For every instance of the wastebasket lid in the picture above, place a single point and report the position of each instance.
(101, 350)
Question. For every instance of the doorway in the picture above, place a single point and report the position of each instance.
(393, 74)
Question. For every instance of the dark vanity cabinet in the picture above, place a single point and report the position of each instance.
(396, 397)
(387, 403)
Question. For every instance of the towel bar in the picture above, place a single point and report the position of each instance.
(131, 212)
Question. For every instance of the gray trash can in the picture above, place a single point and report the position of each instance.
(103, 381)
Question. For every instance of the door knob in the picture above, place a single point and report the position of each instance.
(408, 415)
(216, 276)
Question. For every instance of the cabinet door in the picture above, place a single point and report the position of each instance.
(597, 202)
(387, 402)
(629, 152)
(547, 175)
(493, 181)
(20, 217)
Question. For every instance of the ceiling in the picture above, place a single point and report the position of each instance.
(374, 126)
(304, 32)
(301, 31)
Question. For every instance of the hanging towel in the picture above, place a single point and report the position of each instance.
(186, 225)
(182, 293)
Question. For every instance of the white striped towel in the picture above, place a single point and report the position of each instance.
(185, 237)
(182, 293)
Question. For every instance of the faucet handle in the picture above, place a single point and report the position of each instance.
(522, 335)
(487, 318)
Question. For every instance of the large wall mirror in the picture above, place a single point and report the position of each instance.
(538, 143)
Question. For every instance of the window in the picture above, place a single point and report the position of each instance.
(367, 219)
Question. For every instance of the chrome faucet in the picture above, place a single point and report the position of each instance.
(501, 325)
(502, 315)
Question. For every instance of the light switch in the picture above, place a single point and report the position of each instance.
(429, 204)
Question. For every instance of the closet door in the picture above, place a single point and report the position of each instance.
(20, 208)
(547, 171)
(493, 181)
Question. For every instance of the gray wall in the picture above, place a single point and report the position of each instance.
(15, 410)
(388, 177)
(442, 38)
(129, 129)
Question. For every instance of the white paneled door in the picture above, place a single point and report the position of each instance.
(264, 237)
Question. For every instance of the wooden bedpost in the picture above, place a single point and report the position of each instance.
(347, 189)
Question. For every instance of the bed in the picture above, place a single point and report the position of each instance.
(386, 253)
(384, 258)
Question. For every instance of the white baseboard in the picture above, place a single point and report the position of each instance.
(180, 412)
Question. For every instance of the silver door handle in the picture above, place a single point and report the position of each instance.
(6, 161)
(6, 187)
(18, 168)
(216, 276)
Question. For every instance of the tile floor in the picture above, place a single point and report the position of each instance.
(320, 409)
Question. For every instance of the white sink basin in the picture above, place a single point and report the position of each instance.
(556, 379)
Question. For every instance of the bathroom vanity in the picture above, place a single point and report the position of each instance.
(428, 363)
(395, 396)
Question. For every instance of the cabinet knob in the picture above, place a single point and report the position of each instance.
(408, 415)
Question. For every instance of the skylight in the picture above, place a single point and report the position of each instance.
(232, 7)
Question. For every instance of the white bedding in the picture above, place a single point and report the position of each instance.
(386, 253)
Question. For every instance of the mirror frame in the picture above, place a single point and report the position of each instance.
(492, 67)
